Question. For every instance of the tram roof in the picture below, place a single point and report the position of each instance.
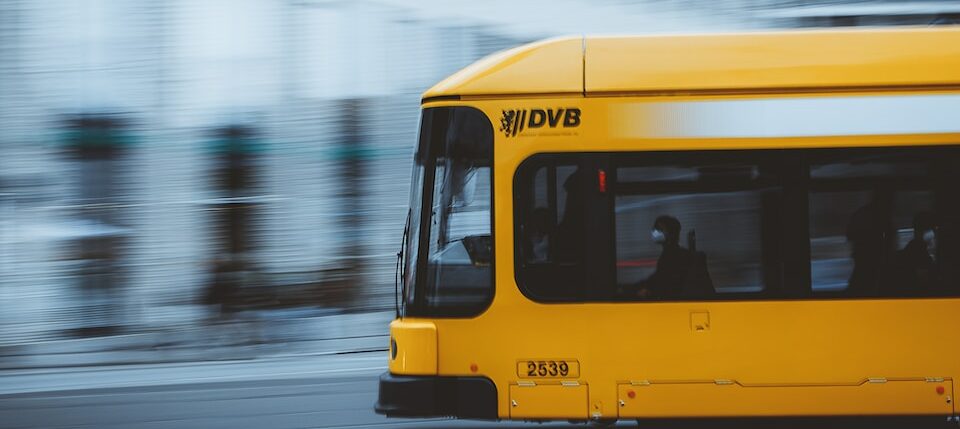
(803, 60)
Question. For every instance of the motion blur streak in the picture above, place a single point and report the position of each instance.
(924, 114)
(185, 182)
(171, 165)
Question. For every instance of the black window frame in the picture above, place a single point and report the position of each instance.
(785, 237)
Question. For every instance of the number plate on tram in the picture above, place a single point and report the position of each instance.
(548, 368)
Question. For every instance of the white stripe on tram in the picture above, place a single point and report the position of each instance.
(789, 117)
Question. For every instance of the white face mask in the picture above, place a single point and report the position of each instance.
(657, 236)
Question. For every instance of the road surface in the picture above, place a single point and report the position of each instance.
(325, 391)
(297, 392)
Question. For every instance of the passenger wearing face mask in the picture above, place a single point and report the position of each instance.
(917, 263)
(673, 265)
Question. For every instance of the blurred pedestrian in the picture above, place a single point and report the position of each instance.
(223, 289)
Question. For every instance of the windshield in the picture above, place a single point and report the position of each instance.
(448, 256)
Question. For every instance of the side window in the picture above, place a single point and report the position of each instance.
(883, 222)
(690, 231)
(550, 230)
(643, 226)
(739, 225)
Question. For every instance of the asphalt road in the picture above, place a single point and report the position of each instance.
(332, 391)
(305, 392)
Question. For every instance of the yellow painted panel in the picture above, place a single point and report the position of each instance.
(709, 399)
(798, 59)
(550, 66)
(554, 400)
(416, 347)
(790, 60)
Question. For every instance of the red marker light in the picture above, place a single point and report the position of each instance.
(602, 180)
(631, 394)
(940, 390)
(473, 367)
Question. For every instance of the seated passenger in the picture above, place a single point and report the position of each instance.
(674, 263)
(916, 264)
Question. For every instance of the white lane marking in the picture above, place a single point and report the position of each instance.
(789, 117)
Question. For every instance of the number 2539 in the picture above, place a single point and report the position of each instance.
(547, 368)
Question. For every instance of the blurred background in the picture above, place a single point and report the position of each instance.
(188, 180)
(163, 158)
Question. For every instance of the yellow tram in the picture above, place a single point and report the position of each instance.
(686, 226)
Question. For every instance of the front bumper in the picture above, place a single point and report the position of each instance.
(433, 396)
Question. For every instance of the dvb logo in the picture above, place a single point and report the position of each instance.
(515, 121)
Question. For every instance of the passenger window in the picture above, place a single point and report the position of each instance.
(677, 226)
(883, 222)
(551, 230)
(739, 225)
(855, 234)
(688, 231)
(688, 245)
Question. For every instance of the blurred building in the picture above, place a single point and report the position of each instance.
(273, 133)
(278, 133)
(832, 13)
